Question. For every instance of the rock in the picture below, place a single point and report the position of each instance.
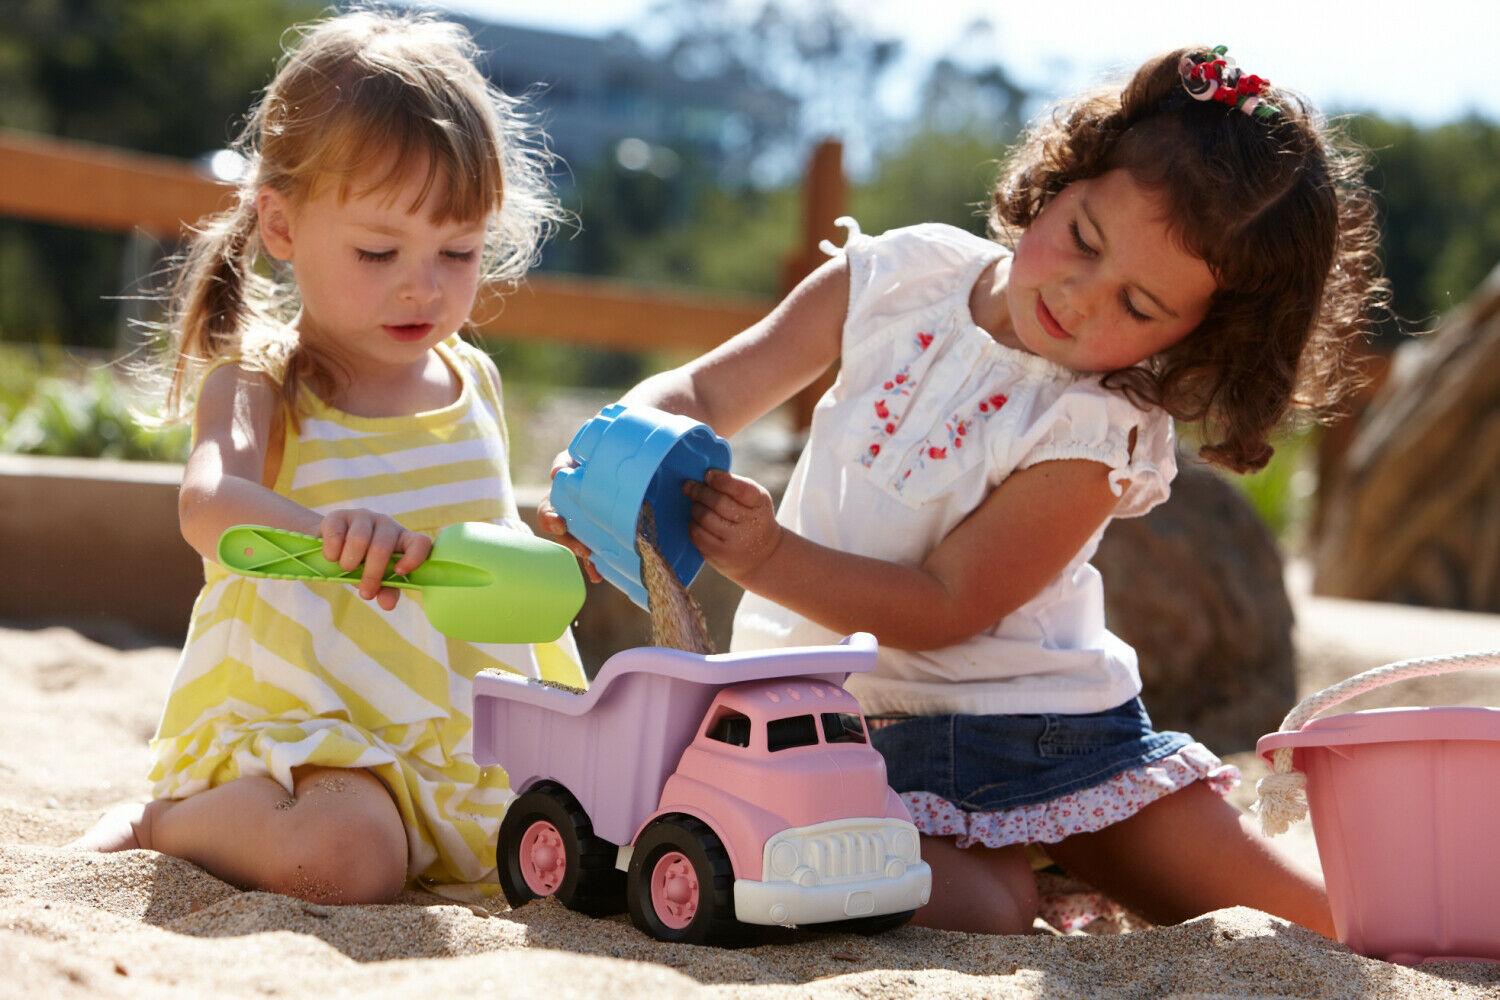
(1196, 587)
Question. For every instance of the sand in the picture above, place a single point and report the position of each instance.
(72, 742)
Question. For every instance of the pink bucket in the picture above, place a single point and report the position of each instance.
(1405, 806)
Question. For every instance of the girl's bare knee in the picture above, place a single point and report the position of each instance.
(342, 848)
(1012, 904)
(1018, 911)
(980, 890)
(352, 860)
(1006, 907)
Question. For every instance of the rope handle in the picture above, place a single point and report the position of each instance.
(1282, 794)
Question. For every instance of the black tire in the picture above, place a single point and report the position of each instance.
(865, 926)
(591, 883)
(713, 922)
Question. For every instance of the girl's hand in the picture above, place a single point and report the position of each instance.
(351, 537)
(551, 522)
(734, 523)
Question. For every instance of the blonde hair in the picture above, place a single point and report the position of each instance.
(365, 91)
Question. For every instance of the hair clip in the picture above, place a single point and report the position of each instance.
(1214, 77)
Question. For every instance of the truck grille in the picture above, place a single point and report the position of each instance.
(845, 855)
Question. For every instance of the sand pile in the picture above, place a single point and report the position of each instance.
(72, 741)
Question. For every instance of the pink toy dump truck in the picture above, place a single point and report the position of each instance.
(702, 793)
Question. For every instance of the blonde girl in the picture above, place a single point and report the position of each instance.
(316, 740)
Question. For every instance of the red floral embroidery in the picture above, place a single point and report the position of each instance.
(890, 428)
(998, 400)
(937, 452)
(881, 410)
(958, 442)
(899, 379)
(925, 339)
(874, 449)
(889, 386)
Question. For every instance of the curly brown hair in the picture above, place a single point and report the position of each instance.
(1274, 204)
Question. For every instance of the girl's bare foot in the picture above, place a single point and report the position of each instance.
(124, 828)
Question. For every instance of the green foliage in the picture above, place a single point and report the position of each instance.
(90, 417)
(19, 371)
(1439, 194)
(933, 177)
(1281, 493)
(680, 229)
(161, 76)
(685, 231)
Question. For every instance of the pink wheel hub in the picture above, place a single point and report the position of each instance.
(674, 890)
(543, 858)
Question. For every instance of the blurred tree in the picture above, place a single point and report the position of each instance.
(942, 168)
(163, 76)
(1438, 189)
(814, 51)
(981, 100)
(932, 177)
(665, 227)
(680, 228)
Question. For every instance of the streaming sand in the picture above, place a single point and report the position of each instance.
(676, 619)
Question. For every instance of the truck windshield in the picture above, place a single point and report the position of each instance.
(843, 727)
(797, 731)
(732, 728)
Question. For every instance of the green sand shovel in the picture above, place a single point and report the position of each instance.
(482, 582)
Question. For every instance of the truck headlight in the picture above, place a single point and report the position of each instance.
(784, 859)
(904, 846)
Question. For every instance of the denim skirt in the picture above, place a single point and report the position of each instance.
(991, 763)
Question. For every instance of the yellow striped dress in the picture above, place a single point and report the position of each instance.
(277, 673)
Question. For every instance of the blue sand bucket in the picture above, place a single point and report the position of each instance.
(629, 455)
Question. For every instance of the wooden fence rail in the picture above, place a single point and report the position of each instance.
(73, 183)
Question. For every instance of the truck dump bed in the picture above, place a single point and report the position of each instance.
(615, 745)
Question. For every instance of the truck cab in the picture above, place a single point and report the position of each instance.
(784, 772)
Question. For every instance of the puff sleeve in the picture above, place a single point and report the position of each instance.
(1091, 422)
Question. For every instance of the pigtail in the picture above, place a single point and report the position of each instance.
(210, 301)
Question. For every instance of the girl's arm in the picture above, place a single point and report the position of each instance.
(762, 367)
(998, 558)
(743, 378)
(222, 487)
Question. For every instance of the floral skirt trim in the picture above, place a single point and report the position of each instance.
(1084, 811)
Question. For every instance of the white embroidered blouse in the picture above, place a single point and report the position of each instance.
(929, 414)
